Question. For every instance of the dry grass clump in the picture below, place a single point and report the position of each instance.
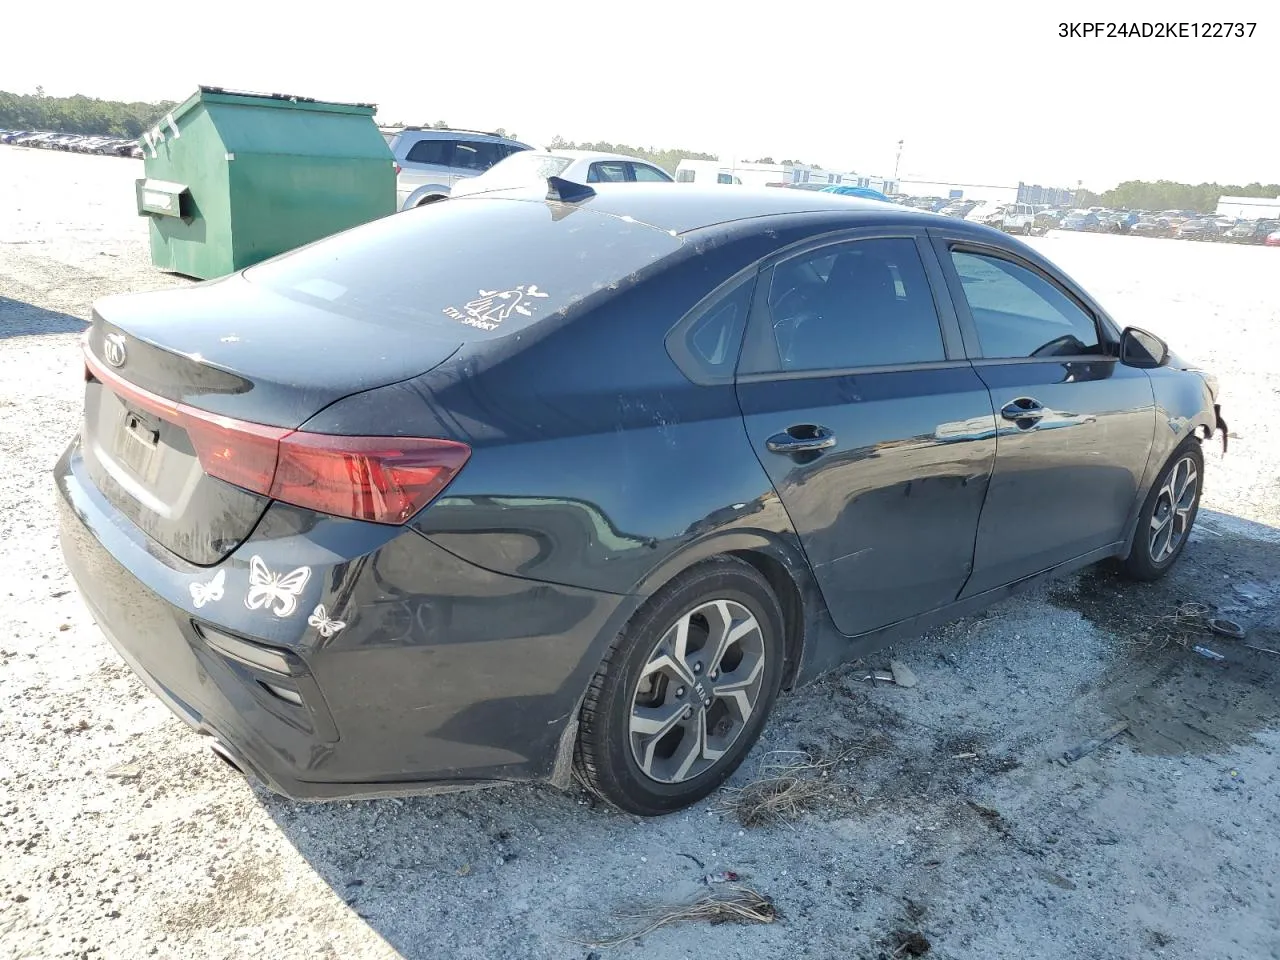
(735, 904)
(787, 784)
(1180, 628)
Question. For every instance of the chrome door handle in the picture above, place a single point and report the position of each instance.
(1024, 408)
(802, 438)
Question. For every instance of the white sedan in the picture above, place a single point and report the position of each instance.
(579, 166)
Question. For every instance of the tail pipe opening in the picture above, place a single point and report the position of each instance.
(226, 756)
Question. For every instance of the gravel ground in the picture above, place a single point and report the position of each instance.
(121, 836)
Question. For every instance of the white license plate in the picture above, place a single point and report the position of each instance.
(137, 447)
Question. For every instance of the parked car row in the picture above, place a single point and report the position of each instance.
(1183, 225)
(71, 142)
(1177, 224)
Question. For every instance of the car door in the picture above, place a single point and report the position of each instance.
(426, 163)
(1075, 425)
(877, 434)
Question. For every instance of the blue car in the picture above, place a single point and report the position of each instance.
(1121, 222)
(1083, 222)
(866, 193)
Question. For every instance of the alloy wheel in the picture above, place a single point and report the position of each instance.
(1171, 517)
(699, 687)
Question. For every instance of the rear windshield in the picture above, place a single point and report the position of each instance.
(467, 269)
(525, 167)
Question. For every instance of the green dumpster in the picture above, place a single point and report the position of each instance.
(233, 178)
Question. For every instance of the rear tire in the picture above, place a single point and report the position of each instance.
(1026, 229)
(684, 690)
(1167, 516)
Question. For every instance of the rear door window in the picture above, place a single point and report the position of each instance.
(1019, 313)
(436, 152)
(705, 345)
(607, 172)
(470, 269)
(475, 155)
(647, 174)
(865, 303)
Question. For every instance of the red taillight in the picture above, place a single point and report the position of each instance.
(380, 479)
(397, 166)
(383, 479)
(233, 450)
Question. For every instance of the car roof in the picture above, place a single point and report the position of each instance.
(682, 208)
(590, 155)
(438, 133)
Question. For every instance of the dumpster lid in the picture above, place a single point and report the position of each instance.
(248, 98)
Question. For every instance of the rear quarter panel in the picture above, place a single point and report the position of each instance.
(595, 461)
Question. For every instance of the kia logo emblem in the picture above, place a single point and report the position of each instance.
(702, 693)
(113, 349)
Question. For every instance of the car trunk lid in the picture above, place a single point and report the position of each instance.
(166, 371)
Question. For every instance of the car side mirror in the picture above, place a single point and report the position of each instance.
(1138, 348)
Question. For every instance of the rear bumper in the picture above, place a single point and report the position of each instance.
(445, 675)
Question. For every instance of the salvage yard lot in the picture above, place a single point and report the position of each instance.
(940, 812)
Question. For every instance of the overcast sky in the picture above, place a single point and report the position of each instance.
(980, 93)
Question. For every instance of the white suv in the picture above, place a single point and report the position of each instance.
(1018, 218)
(431, 161)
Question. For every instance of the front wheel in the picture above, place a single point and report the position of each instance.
(1167, 515)
(684, 691)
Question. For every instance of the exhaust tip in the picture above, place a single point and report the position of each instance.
(222, 753)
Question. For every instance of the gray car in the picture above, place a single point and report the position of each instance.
(430, 161)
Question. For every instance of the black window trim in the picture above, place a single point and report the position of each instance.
(945, 243)
(675, 340)
(760, 361)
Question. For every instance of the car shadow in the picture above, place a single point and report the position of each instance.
(524, 870)
(21, 319)
(1189, 686)
(443, 875)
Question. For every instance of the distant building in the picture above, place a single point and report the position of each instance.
(1052, 196)
(988, 192)
(1249, 208)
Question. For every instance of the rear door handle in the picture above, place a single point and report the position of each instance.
(1024, 408)
(802, 438)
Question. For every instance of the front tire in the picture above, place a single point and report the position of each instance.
(684, 690)
(1164, 525)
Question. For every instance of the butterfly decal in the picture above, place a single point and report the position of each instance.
(211, 592)
(273, 591)
(320, 620)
